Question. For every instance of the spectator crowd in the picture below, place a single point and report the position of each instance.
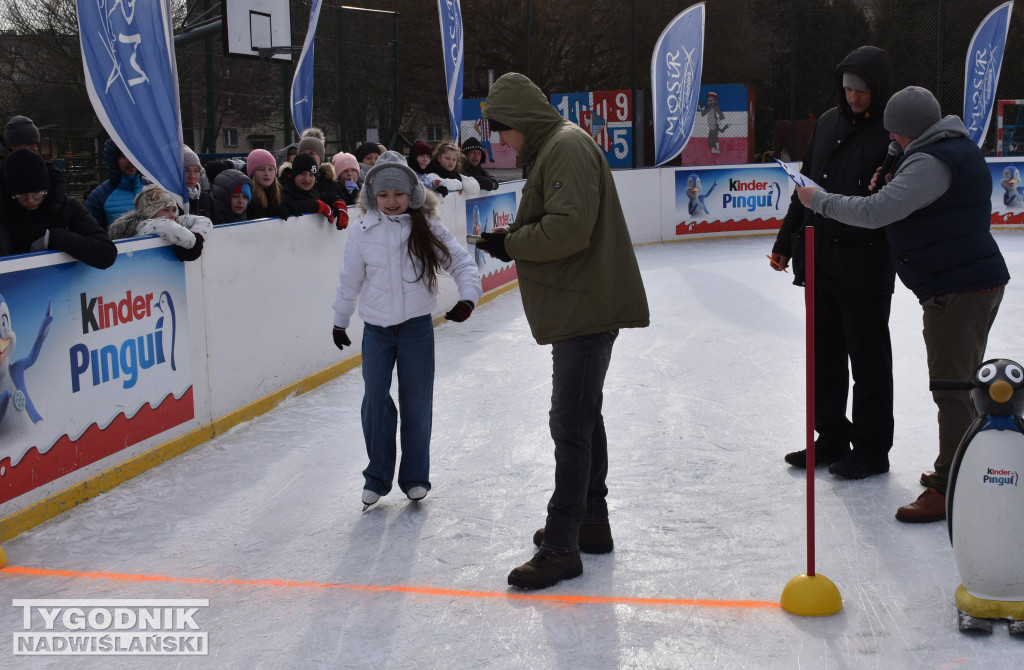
(38, 214)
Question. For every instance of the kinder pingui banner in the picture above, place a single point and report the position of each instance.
(91, 362)
(484, 214)
(730, 199)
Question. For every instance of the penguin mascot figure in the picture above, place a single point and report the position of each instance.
(984, 501)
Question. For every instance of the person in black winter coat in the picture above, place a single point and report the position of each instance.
(232, 191)
(300, 195)
(854, 276)
(33, 218)
(471, 166)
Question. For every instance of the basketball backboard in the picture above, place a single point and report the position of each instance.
(251, 25)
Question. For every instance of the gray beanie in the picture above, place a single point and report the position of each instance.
(314, 143)
(191, 158)
(911, 111)
(20, 130)
(855, 81)
(392, 172)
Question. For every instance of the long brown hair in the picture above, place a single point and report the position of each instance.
(425, 250)
(260, 196)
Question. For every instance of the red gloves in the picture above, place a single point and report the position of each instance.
(324, 208)
(340, 214)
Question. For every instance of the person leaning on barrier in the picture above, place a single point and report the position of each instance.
(34, 218)
(936, 212)
(156, 213)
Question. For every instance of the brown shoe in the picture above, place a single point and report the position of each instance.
(929, 506)
(928, 479)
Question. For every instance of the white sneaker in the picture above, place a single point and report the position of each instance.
(417, 493)
(370, 497)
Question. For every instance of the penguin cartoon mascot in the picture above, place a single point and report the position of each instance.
(985, 498)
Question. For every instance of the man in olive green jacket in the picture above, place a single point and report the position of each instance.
(580, 284)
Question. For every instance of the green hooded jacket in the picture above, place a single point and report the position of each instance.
(577, 271)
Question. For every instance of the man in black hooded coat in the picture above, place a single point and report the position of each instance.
(853, 279)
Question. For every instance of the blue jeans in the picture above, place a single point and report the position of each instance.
(579, 366)
(411, 345)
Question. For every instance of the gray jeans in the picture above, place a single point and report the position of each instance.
(956, 327)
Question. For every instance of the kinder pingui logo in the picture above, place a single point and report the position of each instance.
(751, 194)
(134, 354)
(1000, 477)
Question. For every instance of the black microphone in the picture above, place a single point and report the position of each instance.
(893, 155)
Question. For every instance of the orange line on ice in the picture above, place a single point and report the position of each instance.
(416, 590)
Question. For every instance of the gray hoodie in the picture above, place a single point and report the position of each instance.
(919, 181)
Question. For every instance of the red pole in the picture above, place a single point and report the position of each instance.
(809, 306)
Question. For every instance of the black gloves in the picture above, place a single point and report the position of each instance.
(441, 190)
(460, 312)
(341, 339)
(494, 244)
(192, 254)
(279, 212)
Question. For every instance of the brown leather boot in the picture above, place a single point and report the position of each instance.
(929, 479)
(929, 506)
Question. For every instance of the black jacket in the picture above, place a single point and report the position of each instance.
(72, 229)
(843, 154)
(482, 176)
(295, 200)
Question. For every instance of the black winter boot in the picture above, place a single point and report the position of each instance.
(545, 569)
(825, 453)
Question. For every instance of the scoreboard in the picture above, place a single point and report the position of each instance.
(607, 116)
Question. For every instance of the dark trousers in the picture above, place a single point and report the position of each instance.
(851, 333)
(579, 366)
(956, 327)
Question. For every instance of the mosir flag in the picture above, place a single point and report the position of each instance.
(984, 58)
(132, 79)
(302, 84)
(451, 39)
(675, 82)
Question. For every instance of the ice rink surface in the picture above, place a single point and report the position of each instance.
(709, 522)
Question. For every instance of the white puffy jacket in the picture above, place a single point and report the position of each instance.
(378, 272)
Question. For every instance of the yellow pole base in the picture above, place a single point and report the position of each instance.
(809, 595)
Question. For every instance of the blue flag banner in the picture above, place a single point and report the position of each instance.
(451, 39)
(984, 59)
(132, 80)
(675, 82)
(302, 83)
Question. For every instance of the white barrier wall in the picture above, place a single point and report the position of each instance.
(259, 319)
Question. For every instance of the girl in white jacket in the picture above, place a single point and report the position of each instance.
(392, 258)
